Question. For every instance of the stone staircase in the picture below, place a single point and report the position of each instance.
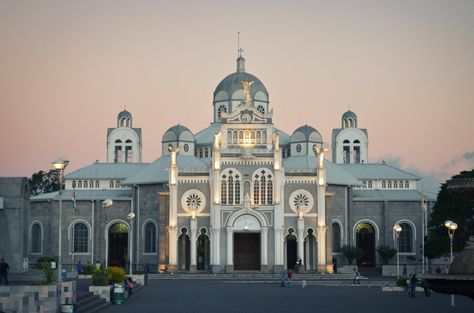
(88, 303)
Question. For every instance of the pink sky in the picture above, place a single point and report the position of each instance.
(68, 67)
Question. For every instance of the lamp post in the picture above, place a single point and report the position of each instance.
(131, 217)
(59, 165)
(397, 228)
(451, 226)
(107, 204)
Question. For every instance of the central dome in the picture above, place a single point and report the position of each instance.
(229, 92)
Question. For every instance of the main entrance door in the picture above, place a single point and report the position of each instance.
(365, 238)
(247, 251)
(118, 244)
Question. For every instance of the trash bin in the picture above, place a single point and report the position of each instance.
(118, 294)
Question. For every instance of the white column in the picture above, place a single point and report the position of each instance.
(279, 243)
(230, 246)
(300, 231)
(193, 241)
(279, 222)
(321, 231)
(173, 211)
(264, 245)
(92, 231)
(216, 253)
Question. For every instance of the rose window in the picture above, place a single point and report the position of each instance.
(193, 201)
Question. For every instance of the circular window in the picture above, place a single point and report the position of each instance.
(301, 200)
(193, 201)
(186, 147)
(260, 108)
(298, 148)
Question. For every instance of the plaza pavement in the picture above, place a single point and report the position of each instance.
(204, 296)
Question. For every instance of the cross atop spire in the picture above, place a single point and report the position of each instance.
(239, 49)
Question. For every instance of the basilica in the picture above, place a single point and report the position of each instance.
(239, 195)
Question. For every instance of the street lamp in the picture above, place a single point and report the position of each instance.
(107, 203)
(60, 165)
(397, 228)
(131, 217)
(451, 226)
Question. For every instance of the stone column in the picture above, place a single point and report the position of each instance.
(300, 232)
(321, 231)
(264, 234)
(279, 196)
(215, 251)
(321, 221)
(230, 250)
(173, 211)
(193, 267)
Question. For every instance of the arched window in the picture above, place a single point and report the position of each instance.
(230, 187)
(96, 184)
(407, 185)
(336, 238)
(346, 157)
(222, 108)
(262, 187)
(150, 237)
(405, 239)
(206, 153)
(73, 184)
(80, 238)
(389, 184)
(79, 184)
(111, 184)
(36, 238)
(395, 184)
(85, 184)
(260, 108)
(384, 184)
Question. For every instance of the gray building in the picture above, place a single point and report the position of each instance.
(238, 195)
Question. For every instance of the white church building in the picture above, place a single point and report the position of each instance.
(238, 195)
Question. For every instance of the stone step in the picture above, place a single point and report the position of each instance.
(253, 276)
(91, 304)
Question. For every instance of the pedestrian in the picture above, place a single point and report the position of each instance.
(97, 265)
(412, 285)
(4, 269)
(298, 264)
(129, 286)
(356, 277)
(289, 275)
(303, 284)
(426, 288)
(79, 267)
(334, 265)
(282, 280)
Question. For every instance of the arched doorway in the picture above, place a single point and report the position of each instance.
(310, 251)
(184, 250)
(203, 255)
(365, 239)
(291, 245)
(118, 244)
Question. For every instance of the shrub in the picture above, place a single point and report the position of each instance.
(352, 253)
(402, 281)
(44, 264)
(386, 253)
(99, 278)
(88, 269)
(116, 274)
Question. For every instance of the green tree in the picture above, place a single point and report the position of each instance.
(43, 182)
(352, 253)
(455, 202)
(386, 253)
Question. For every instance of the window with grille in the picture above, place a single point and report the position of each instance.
(36, 238)
(80, 238)
(230, 187)
(336, 237)
(405, 239)
(263, 187)
(150, 238)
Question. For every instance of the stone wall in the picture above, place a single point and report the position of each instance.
(35, 298)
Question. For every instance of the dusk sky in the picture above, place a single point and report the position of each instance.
(405, 67)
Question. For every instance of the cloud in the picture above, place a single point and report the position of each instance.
(432, 179)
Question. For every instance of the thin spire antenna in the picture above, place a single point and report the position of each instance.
(239, 49)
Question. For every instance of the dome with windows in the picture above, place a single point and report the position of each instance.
(229, 87)
(306, 133)
(178, 133)
(349, 119)
(124, 114)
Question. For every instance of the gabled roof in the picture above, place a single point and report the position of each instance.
(106, 171)
(100, 194)
(388, 195)
(157, 172)
(335, 175)
(377, 171)
(206, 136)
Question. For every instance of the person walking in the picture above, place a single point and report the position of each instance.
(97, 265)
(4, 269)
(412, 285)
(79, 267)
(289, 275)
(129, 286)
(356, 277)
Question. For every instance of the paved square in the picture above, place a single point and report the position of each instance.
(236, 297)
